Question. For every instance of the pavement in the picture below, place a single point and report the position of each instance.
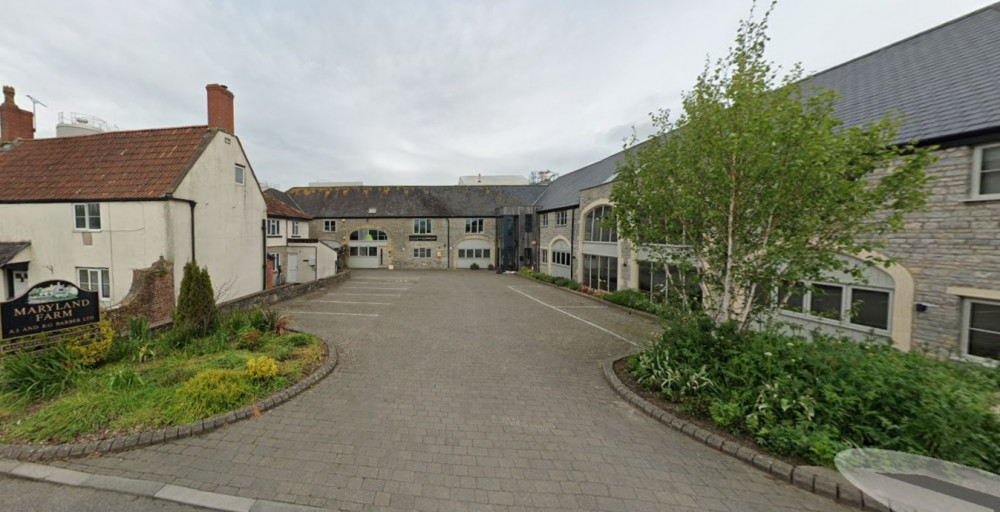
(455, 390)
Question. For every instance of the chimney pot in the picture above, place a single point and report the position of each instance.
(220, 107)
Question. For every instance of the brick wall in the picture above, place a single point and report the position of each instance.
(15, 123)
(151, 295)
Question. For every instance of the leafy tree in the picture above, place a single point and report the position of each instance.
(196, 313)
(757, 184)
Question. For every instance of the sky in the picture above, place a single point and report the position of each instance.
(414, 92)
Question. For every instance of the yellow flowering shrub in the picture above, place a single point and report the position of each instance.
(261, 368)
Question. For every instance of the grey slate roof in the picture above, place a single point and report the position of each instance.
(411, 201)
(946, 80)
(8, 250)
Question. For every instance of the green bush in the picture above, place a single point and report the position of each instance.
(41, 376)
(812, 399)
(196, 313)
(474, 266)
(208, 393)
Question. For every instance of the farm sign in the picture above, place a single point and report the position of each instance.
(46, 307)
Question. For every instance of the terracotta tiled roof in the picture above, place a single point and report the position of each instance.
(278, 207)
(141, 164)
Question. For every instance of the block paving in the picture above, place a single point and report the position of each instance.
(461, 390)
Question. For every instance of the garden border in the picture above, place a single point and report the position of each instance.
(643, 314)
(817, 480)
(38, 452)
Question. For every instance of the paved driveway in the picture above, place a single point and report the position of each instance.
(461, 391)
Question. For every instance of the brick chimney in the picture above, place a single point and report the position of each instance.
(14, 122)
(220, 107)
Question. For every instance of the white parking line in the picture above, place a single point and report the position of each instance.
(370, 288)
(626, 340)
(581, 307)
(381, 279)
(350, 302)
(328, 313)
(372, 294)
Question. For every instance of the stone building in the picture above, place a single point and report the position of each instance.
(293, 256)
(942, 294)
(424, 227)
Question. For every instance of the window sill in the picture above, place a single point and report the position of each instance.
(77, 230)
(981, 199)
(836, 323)
(274, 236)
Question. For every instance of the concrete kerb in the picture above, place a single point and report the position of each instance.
(144, 488)
(117, 444)
(636, 312)
(817, 480)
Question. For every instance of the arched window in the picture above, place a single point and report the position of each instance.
(368, 235)
(594, 228)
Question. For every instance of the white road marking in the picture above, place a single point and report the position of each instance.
(350, 302)
(581, 307)
(380, 279)
(626, 340)
(372, 294)
(294, 311)
(371, 288)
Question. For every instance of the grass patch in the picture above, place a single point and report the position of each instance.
(812, 398)
(149, 383)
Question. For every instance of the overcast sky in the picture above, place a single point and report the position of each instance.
(413, 92)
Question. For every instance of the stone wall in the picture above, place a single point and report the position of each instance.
(399, 249)
(953, 243)
(550, 233)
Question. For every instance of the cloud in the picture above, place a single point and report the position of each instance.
(398, 92)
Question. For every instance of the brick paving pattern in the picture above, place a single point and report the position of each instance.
(461, 391)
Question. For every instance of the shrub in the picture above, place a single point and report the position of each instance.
(40, 376)
(261, 368)
(196, 314)
(208, 393)
(92, 347)
(235, 321)
(249, 339)
(812, 399)
(267, 320)
(474, 266)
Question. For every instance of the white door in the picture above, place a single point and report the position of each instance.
(20, 278)
(293, 267)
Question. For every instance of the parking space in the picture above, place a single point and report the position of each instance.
(461, 390)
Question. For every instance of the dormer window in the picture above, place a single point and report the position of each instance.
(986, 172)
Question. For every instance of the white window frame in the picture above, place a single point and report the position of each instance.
(845, 307)
(103, 280)
(421, 252)
(966, 326)
(88, 218)
(240, 174)
(561, 218)
(545, 256)
(295, 228)
(327, 224)
(977, 171)
(422, 227)
(545, 220)
(276, 266)
(273, 227)
(474, 226)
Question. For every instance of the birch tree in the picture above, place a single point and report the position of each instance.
(757, 184)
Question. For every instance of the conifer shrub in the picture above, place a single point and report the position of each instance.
(196, 314)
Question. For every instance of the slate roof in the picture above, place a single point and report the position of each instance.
(8, 250)
(946, 80)
(140, 164)
(412, 201)
(280, 205)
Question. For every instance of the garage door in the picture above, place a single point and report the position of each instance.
(474, 251)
